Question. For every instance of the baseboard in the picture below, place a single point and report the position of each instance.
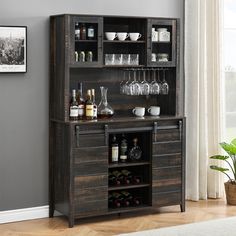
(25, 214)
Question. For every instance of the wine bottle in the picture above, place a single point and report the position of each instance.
(89, 106)
(136, 201)
(80, 101)
(74, 109)
(127, 198)
(114, 150)
(136, 179)
(123, 149)
(113, 180)
(119, 177)
(116, 200)
(127, 179)
(95, 109)
(77, 31)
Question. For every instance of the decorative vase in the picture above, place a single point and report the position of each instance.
(104, 109)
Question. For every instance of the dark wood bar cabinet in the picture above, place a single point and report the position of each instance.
(79, 151)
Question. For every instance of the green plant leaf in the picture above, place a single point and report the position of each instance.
(219, 157)
(229, 148)
(221, 169)
(233, 142)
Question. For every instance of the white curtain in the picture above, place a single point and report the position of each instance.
(203, 96)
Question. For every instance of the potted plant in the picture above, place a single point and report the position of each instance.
(230, 185)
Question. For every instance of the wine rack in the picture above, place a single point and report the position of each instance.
(133, 176)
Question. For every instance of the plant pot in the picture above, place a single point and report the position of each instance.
(230, 191)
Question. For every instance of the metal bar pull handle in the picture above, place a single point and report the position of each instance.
(155, 131)
(77, 135)
(180, 129)
(106, 135)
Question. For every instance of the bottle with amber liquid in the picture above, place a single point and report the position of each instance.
(95, 109)
(83, 34)
(89, 106)
(80, 101)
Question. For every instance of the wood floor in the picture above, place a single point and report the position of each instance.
(111, 225)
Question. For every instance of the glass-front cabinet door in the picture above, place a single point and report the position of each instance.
(161, 44)
(86, 49)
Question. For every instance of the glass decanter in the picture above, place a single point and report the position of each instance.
(104, 109)
(135, 152)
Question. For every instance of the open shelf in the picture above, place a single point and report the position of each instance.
(131, 186)
(86, 41)
(128, 164)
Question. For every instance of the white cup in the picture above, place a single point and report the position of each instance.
(139, 111)
(134, 36)
(122, 36)
(154, 110)
(110, 35)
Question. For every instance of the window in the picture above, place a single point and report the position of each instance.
(230, 68)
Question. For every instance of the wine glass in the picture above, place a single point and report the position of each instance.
(135, 86)
(122, 84)
(155, 87)
(145, 87)
(164, 85)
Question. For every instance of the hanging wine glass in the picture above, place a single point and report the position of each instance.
(126, 86)
(122, 84)
(155, 87)
(164, 85)
(135, 86)
(144, 84)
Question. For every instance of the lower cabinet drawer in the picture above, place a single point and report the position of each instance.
(166, 199)
(91, 201)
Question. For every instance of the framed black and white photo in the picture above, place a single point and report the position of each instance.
(13, 54)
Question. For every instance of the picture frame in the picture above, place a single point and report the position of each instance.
(13, 49)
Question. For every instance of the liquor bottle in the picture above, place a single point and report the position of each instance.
(128, 198)
(114, 150)
(77, 31)
(80, 101)
(90, 33)
(127, 179)
(135, 152)
(83, 32)
(89, 106)
(113, 180)
(123, 149)
(95, 108)
(74, 110)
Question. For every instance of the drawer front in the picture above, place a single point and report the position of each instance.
(166, 179)
(167, 135)
(166, 147)
(166, 199)
(91, 140)
(90, 161)
(91, 201)
(167, 160)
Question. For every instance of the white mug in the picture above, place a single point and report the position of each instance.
(122, 36)
(139, 111)
(134, 36)
(154, 110)
(110, 35)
